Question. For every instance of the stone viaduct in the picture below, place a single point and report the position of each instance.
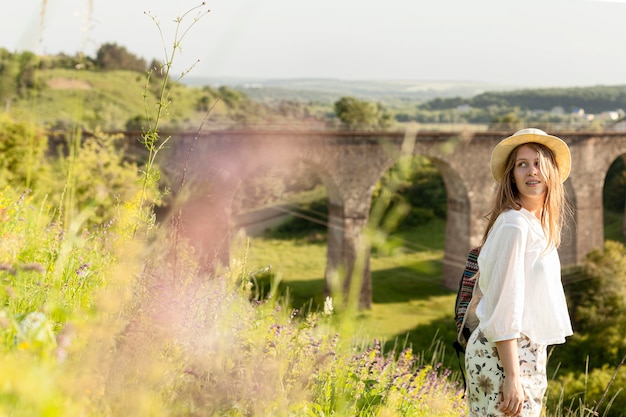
(351, 163)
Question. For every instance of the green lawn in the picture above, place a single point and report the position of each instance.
(409, 303)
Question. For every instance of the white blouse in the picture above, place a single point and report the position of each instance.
(521, 283)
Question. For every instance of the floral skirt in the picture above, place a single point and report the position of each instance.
(485, 376)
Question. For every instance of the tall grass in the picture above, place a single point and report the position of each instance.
(98, 320)
(94, 323)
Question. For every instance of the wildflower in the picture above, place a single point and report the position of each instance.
(35, 328)
(33, 266)
(8, 268)
(82, 269)
(328, 306)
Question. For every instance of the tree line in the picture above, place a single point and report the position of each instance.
(595, 99)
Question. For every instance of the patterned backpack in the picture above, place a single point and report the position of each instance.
(466, 300)
(465, 306)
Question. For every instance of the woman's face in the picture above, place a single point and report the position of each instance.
(527, 176)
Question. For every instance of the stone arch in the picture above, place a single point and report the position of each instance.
(619, 152)
(621, 160)
(458, 237)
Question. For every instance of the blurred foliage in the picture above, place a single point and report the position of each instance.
(22, 149)
(97, 175)
(597, 299)
(84, 172)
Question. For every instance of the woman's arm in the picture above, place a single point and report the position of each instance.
(512, 391)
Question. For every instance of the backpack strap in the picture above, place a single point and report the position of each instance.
(460, 349)
(470, 273)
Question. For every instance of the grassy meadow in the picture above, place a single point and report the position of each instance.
(110, 319)
(410, 306)
(106, 312)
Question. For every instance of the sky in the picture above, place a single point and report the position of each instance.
(529, 43)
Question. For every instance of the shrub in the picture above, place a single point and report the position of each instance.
(357, 114)
(600, 307)
(96, 174)
(22, 149)
(576, 391)
(598, 301)
(111, 56)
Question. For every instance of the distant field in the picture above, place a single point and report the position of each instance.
(332, 89)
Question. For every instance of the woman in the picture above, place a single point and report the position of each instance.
(523, 308)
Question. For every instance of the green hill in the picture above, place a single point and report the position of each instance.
(120, 99)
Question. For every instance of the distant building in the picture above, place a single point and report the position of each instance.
(619, 126)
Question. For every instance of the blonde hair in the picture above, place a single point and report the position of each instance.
(554, 206)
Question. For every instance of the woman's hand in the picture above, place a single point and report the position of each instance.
(512, 396)
(512, 390)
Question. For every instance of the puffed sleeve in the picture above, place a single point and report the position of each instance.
(502, 281)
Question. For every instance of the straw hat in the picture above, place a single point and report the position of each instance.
(502, 150)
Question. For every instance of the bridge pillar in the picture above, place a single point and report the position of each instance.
(456, 242)
(350, 174)
(348, 256)
(585, 189)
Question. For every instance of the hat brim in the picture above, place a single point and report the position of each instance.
(503, 149)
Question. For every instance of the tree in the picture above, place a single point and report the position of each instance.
(598, 300)
(22, 151)
(28, 62)
(355, 114)
(508, 121)
(111, 56)
(9, 74)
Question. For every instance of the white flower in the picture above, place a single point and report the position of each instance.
(328, 306)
